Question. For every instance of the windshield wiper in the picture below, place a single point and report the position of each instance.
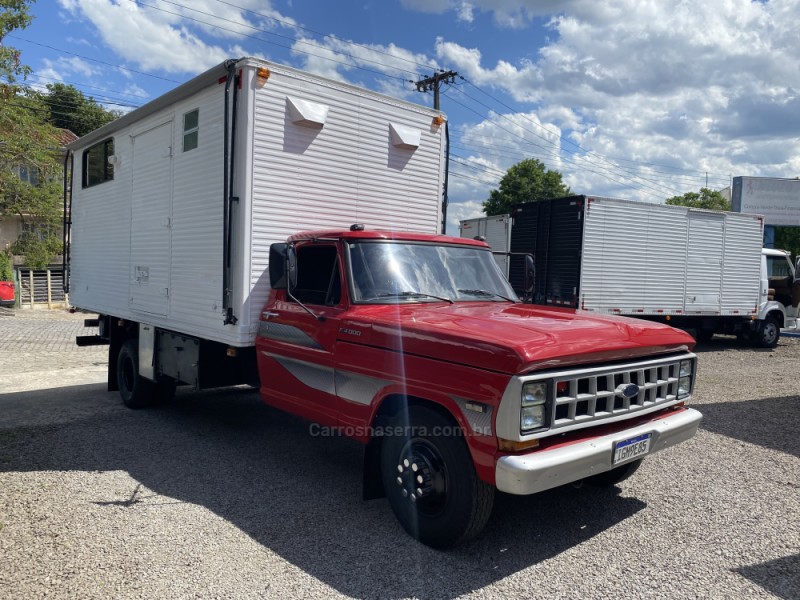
(413, 295)
(484, 293)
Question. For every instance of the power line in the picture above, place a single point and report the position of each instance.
(93, 59)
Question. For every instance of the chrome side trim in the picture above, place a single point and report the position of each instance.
(353, 387)
(357, 388)
(314, 376)
(286, 333)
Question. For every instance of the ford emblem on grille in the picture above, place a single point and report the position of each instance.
(629, 390)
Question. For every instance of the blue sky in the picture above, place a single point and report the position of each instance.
(640, 99)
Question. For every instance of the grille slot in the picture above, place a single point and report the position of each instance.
(590, 397)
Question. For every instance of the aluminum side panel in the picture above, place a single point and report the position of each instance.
(101, 263)
(634, 257)
(345, 171)
(741, 266)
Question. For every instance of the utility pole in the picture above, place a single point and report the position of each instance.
(433, 82)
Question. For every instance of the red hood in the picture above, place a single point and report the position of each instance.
(511, 338)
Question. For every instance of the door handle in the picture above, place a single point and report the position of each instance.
(268, 314)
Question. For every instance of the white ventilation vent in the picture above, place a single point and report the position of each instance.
(306, 113)
(404, 137)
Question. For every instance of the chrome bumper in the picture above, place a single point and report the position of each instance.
(546, 469)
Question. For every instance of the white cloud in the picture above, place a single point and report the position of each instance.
(704, 87)
(170, 37)
(62, 68)
(331, 54)
(459, 211)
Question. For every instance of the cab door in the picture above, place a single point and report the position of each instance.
(297, 338)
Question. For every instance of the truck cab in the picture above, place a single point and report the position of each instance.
(779, 293)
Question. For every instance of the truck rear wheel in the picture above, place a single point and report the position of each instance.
(430, 479)
(135, 390)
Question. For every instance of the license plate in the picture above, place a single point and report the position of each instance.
(631, 448)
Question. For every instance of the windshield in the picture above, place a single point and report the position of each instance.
(390, 272)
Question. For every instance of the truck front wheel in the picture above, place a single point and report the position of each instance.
(768, 333)
(430, 479)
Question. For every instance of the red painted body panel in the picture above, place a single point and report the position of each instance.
(6, 293)
(510, 338)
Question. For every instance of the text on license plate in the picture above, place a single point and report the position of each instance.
(632, 448)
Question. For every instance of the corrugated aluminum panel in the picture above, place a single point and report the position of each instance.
(347, 171)
(741, 265)
(151, 195)
(289, 177)
(704, 263)
(102, 269)
(634, 257)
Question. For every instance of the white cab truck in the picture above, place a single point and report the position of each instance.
(699, 270)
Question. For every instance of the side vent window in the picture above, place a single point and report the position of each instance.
(191, 122)
(98, 164)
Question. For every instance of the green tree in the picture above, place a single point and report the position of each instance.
(788, 238)
(6, 273)
(30, 162)
(706, 198)
(527, 181)
(13, 15)
(70, 109)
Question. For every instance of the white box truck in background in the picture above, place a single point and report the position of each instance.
(495, 230)
(703, 271)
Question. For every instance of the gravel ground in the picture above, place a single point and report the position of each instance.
(218, 496)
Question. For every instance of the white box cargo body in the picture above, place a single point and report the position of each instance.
(496, 230)
(655, 259)
(696, 269)
(283, 149)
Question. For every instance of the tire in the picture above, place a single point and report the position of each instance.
(455, 504)
(136, 392)
(614, 476)
(768, 333)
(704, 335)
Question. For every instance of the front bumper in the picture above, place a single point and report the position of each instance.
(545, 469)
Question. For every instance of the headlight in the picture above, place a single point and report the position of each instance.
(685, 375)
(534, 406)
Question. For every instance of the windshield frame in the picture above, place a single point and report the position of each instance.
(505, 295)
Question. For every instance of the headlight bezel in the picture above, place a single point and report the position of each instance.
(535, 404)
(686, 378)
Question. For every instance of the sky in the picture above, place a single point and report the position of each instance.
(639, 99)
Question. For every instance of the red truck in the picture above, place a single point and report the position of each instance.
(417, 346)
(180, 227)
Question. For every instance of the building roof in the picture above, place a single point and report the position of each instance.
(65, 136)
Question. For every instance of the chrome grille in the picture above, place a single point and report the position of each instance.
(582, 397)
